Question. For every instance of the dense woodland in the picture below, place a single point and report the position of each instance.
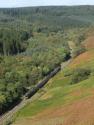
(33, 41)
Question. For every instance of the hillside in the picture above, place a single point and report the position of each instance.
(64, 103)
(33, 42)
(47, 18)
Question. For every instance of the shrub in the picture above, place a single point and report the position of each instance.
(78, 50)
(80, 75)
(9, 122)
(67, 72)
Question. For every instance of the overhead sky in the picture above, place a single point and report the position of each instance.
(21, 3)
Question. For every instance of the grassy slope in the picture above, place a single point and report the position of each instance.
(63, 104)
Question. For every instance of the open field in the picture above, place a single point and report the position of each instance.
(84, 59)
(89, 43)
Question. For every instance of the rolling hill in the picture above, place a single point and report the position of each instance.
(33, 42)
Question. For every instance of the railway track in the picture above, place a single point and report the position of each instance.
(9, 115)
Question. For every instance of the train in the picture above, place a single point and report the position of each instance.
(34, 90)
